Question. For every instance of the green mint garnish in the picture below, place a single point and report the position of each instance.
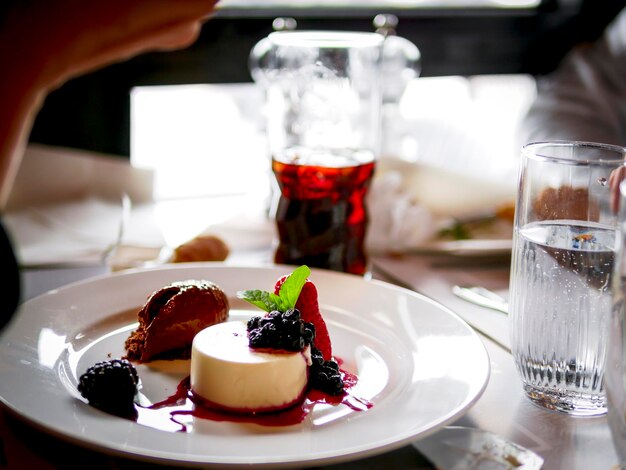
(287, 296)
(291, 288)
(264, 300)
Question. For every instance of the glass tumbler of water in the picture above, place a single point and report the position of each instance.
(562, 263)
(615, 374)
(323, 108)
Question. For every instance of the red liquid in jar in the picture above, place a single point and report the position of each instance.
(321, 215)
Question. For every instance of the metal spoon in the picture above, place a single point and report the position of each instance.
(482, 297)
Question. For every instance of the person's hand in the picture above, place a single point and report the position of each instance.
(44, 44)
(65, 38)
(616, 177)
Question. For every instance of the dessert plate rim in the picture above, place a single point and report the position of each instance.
(436, 368)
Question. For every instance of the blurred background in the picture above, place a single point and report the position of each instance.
(455, 37)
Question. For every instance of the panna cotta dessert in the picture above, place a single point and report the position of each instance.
(269, 362)
(226, 372)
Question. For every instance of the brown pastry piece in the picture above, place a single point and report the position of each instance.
(201, 248)
(172, 316)
(506, 211)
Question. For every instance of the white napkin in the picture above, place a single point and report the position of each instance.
(81, 231)
(396, 221)
(63, 211)
(410, 204)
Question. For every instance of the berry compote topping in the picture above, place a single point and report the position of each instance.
(280, 330)
(287, 331)
(325, 376)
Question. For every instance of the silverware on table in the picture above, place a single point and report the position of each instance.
(482, 297)
(126, 207)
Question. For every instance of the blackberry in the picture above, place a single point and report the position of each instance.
(324, 375)
(110, 386)
(280, 330)
(309, 332)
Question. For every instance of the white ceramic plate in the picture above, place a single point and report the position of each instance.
(492, 237)
(420, 365)
(469, 248)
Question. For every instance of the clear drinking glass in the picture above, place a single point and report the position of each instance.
(615, 374)
(563, 252)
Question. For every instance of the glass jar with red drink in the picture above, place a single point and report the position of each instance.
(323, 107)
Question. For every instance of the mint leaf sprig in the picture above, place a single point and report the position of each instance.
(287, 295)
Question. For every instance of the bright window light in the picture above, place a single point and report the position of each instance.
(199, 140)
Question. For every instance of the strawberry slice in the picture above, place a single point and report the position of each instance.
(310, 311)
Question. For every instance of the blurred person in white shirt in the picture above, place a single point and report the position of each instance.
(584, 99)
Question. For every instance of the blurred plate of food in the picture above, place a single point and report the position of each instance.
(424, 209)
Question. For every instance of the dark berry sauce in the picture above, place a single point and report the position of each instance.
(170, 414)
